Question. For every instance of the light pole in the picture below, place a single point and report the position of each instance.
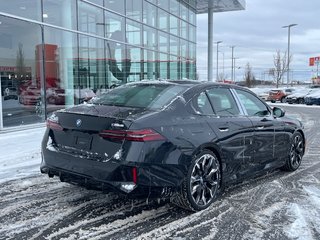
(222, 64)
(232, 47)
(234, 67)
(288, 59)
(217, 76)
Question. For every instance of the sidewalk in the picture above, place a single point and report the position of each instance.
(20, 153)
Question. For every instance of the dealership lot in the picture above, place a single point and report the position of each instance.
(279, 205)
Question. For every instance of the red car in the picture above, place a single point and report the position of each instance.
(279, 95)
(29, 96)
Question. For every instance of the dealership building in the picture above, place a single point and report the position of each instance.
(57, 53)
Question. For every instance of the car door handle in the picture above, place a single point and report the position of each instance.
(260, 127)
(224, 129)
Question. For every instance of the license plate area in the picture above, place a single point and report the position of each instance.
(84, 143)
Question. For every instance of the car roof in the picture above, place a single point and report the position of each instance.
(192, 85)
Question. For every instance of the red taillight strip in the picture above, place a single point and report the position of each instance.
(134, 175)
(133, 135)
(54, 125)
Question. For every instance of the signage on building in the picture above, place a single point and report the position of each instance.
(314, 61)
(13, 69)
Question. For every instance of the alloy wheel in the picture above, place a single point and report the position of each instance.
(204, 181)
(296, 151)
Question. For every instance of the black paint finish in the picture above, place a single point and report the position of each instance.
(246, 145)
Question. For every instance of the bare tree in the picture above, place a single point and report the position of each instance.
(20, 67)
(222, 77)
(280, 67)
(248, 76)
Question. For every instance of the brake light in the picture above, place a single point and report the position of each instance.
(54, 125)
(144, 135)
(134, 175)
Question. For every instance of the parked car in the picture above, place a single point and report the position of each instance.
(182, 140)
(10, 93)
(83, 95)
(279, 95)
(262, 93)
(313, 98)
(298, 96)
(30, 95)
(56, 96)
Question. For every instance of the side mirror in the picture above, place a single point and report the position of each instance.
(278, 112)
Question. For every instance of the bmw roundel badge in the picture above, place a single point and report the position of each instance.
(78, 122)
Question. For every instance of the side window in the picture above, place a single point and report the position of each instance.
(201, 104)
(223, 102)
(253, 105)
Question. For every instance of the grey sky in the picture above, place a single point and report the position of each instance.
(257, 33)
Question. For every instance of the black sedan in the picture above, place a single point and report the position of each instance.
(181, 140)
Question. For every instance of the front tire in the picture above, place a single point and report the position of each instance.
(296, 152)
(201, 185)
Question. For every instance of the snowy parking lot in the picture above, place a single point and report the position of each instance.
(278, 205)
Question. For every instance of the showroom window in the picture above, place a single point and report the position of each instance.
(21, 72)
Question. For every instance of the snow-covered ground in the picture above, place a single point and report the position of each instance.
(279, 205)
(20, 153)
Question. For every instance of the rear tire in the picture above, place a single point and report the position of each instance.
(200, 187)
(283, 100)
(296, 152)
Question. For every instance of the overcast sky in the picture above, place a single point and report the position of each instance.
(257, 34)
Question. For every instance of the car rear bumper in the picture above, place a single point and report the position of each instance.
(152, 180)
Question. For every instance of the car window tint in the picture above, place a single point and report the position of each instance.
(223, 102)
(202, 104)
(151, 96)
(253, 105)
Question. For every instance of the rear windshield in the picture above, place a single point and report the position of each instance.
(151, 96)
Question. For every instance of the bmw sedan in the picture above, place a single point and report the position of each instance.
(180, 140)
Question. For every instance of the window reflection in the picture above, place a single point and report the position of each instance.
(174, 7)
(23, 8)
(149, 14)
(114, 24)
(134, 9)
(149, 37)
(149, 65)
(163, 66)
(163, 20)
(90, 19)
(76, 67)
(115, 5)
(61, 13)
(20, 73)
(163, 42)
(62, 68)
(174, 25)
(134, 31)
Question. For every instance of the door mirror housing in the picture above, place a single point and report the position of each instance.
(278, 112)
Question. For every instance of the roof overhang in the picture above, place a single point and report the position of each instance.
(220, 5)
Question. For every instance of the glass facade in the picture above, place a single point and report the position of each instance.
(58, 53)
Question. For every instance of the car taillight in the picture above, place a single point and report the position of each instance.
(134, 175)
(143, 135)
(53, 123)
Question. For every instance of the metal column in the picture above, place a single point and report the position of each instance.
(210, 43)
